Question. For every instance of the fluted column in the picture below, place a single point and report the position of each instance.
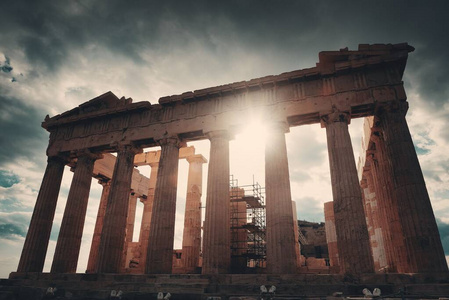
(114, 228)
(388, 209)
(281, 253)
(352, 235)
(366, 198)
(130, 221)
(162, 228)
(296, 230)
(331, 233)
(146, 216)
(379, 248)
(38, 236)
(93, 255)
(216, 235)
(67, 250)
(191, 239)
(131, 217)
(421, 238)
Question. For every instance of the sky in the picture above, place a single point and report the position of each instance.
(55, 55)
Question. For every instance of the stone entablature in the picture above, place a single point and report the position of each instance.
(356, 82)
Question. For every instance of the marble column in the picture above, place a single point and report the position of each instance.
(146, 216)
(130, 221)
(391, 227)
(38, 236)
(420, 232)
(296, 229)
(114, 228)
(191, 239)
(216, 235)
(93, 255)
(366, 198)
(162, 228)
(281, 242)
(352, 235)
(378, 247)
(331, 233)
(67, 250)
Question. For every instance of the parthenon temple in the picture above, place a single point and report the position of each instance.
(380, 219)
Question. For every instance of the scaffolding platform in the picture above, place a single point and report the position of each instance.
(248, 249)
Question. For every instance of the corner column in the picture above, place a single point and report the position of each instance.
(216, 235)
(114, 228)
(422, 240)
(162, 228)
(350, 224)
(38, 236)
(281, 241)
(67, 250)
(146, 216)
(93, 255)
(191, 240)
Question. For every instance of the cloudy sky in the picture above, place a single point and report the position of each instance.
(55, 55)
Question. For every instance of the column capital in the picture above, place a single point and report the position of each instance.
(171, 140)
(335, 117)
(85, 153)
(225, 134)
(197, 158)
(143, 199)
(400, 107)
(278, 126)
(60, 159)
(104, 181)
(121, 147)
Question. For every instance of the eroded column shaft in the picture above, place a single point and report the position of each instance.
(38, 236)
(352, 235)
(420, 232)
(331, 233)
(162, 228)
(146, 216)
(281, 253)
(191, 240)
(388, 210)
(366, 198)
(67, 250)
(114, 228)
(296, 230)
(95, 245)
(377, 244)
(130, 221)
(216, 238)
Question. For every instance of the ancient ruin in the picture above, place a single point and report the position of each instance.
(390, 227)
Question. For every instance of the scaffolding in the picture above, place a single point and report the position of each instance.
(248, 247)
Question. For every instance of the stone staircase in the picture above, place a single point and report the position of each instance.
(32, 286)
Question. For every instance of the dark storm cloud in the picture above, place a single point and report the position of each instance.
(48, 31)
(8, 179)
(13, 225)
(10, 231)
(6, 65)
(21, 134)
